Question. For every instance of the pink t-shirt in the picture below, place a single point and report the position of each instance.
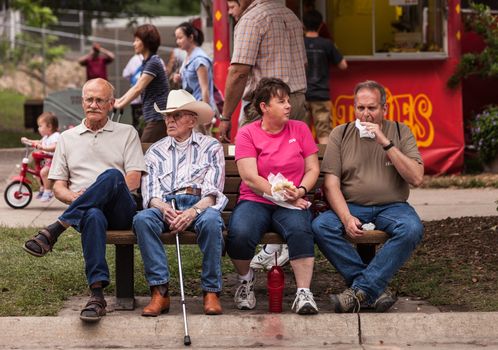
(275, 153)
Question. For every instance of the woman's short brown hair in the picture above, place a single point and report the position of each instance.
(268, 88)
(149, 35)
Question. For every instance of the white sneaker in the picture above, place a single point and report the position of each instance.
(245, 299)
(263, 260)
(304, 304)
(283, 256)
(47, 196)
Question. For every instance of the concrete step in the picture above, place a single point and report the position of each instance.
(349, 331)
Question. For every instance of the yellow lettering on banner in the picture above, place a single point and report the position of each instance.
(342, 110)
(414, 111)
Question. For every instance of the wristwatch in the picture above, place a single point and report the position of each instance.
(388, 146)
(197, 210)
(224, 119)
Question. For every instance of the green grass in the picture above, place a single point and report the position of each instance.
(31, 286)
(12, 120)
(445, 283)
(450, 281)
(461, 181)
(170, 7)
(12, 111)
(12, 138)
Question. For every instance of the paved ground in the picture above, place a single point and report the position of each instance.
(410, 323)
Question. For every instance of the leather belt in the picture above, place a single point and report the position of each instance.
(189, 190)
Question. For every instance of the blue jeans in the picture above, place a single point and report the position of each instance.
(398, 220)
(250, 220)
(106, 204)
(148, 225)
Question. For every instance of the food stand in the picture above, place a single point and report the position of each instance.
(410, 46)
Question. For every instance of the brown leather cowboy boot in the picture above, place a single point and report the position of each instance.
(212, 304)
(159, 303)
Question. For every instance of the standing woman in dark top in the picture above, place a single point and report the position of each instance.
(152, 84)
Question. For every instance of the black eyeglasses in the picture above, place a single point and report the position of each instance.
(178, 115)
(99, 101)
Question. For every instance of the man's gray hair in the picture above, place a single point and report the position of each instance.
(371, 85)
(91, 81)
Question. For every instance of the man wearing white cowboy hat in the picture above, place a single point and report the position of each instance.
(190, 168)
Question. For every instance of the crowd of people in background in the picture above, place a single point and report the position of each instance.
(189, 67)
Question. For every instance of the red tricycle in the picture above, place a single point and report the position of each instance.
(18, 193)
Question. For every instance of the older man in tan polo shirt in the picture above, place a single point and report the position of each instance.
(96, 165)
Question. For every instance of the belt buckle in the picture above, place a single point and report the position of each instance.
(192, 191)
(189, 190)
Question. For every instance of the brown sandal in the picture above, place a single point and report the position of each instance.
(93, 310)
(44, 247)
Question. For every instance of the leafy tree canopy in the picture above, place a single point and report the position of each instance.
(128, 8)
(485, 63)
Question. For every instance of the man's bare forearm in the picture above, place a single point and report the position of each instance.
(132, 179)
(235, 85)
(63, 193)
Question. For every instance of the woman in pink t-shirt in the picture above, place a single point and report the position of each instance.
(274, 144)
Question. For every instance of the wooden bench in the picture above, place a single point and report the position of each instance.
(124, 241)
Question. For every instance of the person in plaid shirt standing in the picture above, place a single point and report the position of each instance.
(268, 42)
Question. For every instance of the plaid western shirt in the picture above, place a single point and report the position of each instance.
(200, 165)
(269, 37)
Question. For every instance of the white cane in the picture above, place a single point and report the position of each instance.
(186, 338)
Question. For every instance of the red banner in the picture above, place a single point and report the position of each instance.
(221, 42)
(417, 96)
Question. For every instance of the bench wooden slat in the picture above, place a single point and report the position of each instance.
(187, 237)
(127, 237)
(370, 237)
(231, 168)
(232, 185)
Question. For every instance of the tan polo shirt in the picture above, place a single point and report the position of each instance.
(367, 175)
(81, 154)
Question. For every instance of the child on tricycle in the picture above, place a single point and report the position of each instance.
(48, 125)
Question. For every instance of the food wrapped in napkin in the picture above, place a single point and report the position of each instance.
(278, 186)
(363, 130)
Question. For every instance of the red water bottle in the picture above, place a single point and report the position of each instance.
(275, 285)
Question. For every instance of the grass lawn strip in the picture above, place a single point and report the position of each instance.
(454, 268)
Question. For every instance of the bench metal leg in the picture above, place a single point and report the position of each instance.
(125, 299)
(366, 252)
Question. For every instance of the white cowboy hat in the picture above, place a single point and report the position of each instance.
(181, 100)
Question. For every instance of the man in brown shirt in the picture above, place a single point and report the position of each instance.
(368, 168)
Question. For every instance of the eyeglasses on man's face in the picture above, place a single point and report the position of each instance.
(100, 102)
(178, 115)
